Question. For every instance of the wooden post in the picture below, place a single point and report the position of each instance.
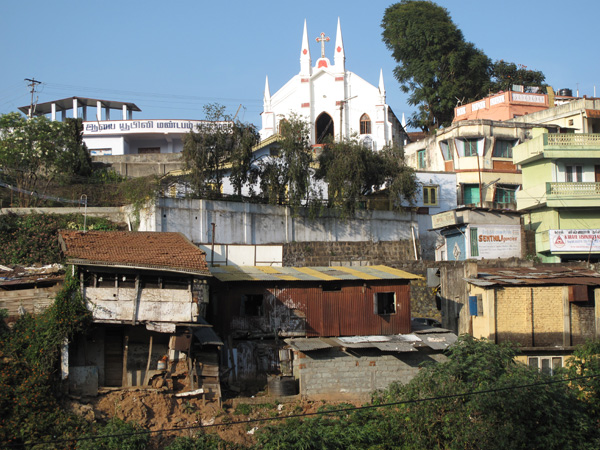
(147, 374)
(125, 352)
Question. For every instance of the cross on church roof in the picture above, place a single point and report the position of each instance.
(322, 40)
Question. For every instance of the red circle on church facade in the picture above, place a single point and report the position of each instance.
(304, 51)
(339, 49)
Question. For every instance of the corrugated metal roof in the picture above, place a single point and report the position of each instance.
(271, 273)
(401, 343)
(31, 275)
(307, 344)
(439, 341)
(554, 274)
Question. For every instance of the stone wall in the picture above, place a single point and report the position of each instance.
(337, 375)
(325, 253)
(140, 165)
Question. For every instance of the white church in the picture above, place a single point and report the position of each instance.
(335, 102)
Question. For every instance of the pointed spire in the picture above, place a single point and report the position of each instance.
(305, 61)
(403, 121)
(340, 55)
(267, 96)
(381, 85)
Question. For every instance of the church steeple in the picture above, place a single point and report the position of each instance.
(267, 96)
(305, 61)
(381, 86)
(340, 56)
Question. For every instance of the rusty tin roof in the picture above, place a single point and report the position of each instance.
(436, 339)
(544, 274)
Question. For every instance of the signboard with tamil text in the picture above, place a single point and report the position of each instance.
(498, 241)
(578, 241)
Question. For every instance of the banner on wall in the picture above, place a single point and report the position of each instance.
(495, 241)
(574, 240)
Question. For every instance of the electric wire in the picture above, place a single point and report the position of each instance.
(317, 413)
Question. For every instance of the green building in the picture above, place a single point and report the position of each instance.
(560, 195)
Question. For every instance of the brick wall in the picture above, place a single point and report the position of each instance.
(530, 316)
(333, 374)
(583, 322)
(513, 315)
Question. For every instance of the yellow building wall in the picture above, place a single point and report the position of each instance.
(530, 316)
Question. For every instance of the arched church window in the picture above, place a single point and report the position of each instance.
(323, 128)
(365, 124)
(281, 125)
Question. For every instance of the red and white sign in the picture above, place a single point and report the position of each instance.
(574, 240)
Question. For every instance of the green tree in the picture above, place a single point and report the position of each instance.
(505, 74)
(479, 403)
(217, 146)
(585, 362)
(435, 63)
(286, 176)
(35, 152)
(353, 171)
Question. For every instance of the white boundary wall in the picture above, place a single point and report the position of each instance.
(254, 224)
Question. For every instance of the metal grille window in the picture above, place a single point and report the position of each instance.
(503, 148)
(505, 194)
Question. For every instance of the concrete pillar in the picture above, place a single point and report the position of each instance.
(566, 317)
(98, 111)
(124, 112)
(84, 112)
(107, 113)
(53, 109)
(75, 108)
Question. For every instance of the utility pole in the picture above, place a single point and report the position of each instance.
(33, 83)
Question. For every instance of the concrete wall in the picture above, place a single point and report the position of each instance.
(337, 375)
(247, 223)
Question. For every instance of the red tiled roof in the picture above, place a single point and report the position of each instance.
(162, 251)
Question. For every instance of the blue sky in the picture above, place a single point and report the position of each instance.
(172, 58)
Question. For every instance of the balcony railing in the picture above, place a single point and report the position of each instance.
(573, 140)
(573, 189)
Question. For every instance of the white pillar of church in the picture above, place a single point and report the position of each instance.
(124, 112)
(305, 60)
(268, 117)
(98, 111)
(53, 111)
(305, 97)
(75, 108)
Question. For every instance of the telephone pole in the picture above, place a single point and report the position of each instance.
(33, 83)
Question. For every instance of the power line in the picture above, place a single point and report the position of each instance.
(317, 413)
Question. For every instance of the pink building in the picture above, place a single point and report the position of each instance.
(502, 106)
